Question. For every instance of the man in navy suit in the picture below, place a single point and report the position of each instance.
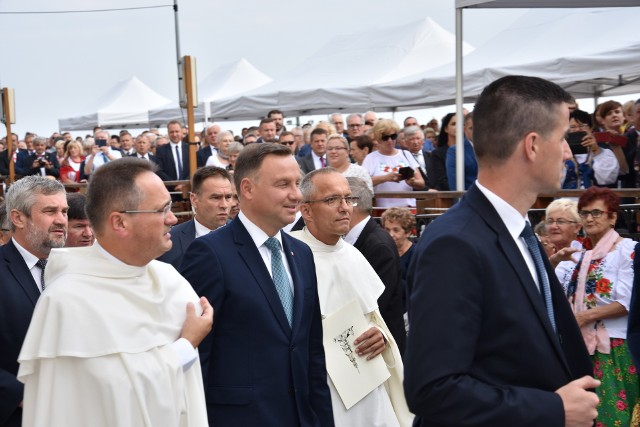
(143, 147)
(211, 196)
(492, 340)
(37, 210)
(209, 147)
(263, 363)
(39, 162)
(173, 158)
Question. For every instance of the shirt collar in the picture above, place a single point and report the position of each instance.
(509, 215)
(201, 230)
(355, 232)
(257, 235)
(29, 258)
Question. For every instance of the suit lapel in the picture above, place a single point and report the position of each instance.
(20, 272)
(255, 265)
(513, 255)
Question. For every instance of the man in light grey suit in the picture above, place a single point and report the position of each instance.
(211, 201)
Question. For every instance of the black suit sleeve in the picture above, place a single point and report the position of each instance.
(163, 164)
(438, 173)
(633, 330)
(4, 162)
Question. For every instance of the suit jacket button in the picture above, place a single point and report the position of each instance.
(292, 348)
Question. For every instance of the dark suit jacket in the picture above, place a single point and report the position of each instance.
(257, 369)
(24, 164)
(481, 350)
(181, 236)
(633, 331)
(18, 296)
(437, 171)
(306, 163)
(378, 248)
(202, 155)
(152, 158)
(167, 166)
(4, 162)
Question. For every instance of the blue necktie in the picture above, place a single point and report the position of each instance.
(534, 248)
(179, 162)
(280, 277)
(106, 159)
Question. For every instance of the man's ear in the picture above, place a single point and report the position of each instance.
(19, 219)
(246, 188)
(305, 210)
(531, 145)
(118, 224)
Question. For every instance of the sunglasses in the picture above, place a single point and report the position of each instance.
(393, 136)
(287, 142)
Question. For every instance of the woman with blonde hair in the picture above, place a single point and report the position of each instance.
(70, 166)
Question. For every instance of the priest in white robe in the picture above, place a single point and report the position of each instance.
(345, 275)
(113, 338)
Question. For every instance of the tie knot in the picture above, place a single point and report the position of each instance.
(273, 244)
(42, 263)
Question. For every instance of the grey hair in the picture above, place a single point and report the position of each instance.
(360, 189)
(564, 205)
(332, 116)
(409, 131)
(223, 134)
(354, 115)
(307, 188)
(23, 193)
(41, 139)
(95, 135)
(235, 148)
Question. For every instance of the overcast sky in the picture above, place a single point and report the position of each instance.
(60, 64)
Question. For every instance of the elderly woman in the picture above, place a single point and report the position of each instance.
(400, 223)
(392, 169)
(233, 151)
(338, 156)
(563, 225)
(221, 158)
(599, 287)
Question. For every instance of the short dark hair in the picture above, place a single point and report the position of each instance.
(319, 131)
(510, 108)
(250, 159)
(364, 141)
(112, 188)
(582, 117)
(207, 172)
(266, 120)
(286, 133)
(77, 203)
(174, 122)
(272, 112)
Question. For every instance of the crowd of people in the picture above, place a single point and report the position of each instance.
(281, 300)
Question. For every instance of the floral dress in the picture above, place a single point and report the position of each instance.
(609, 280)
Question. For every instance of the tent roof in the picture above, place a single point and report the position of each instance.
(228, 80)
(125, 105)
(336, 76)
(565, 50)
(546, 4)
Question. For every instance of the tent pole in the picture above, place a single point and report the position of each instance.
(178, 55)
(459, 115)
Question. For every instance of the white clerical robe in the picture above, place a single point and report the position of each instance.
(98, 351)
(343, 275)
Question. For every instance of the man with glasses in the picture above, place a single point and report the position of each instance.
(287, 139)
(354, 126)
(318, 157)
(344, 275)
(121, 329)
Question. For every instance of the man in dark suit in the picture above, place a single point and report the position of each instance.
(209, 147)
(492, 340)
(210, 201)
(173, 158)
(39, 162)
(263, 363)
(378, 248)
(37, 209)
(317, 158)
(143, 146)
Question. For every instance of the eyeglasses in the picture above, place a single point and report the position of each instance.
(576, 127)
(163, 211)
(393, 136)
(287, 142)
(561, 222)
(335, 148)
(335, 201)
(369, 123)
(596, 213)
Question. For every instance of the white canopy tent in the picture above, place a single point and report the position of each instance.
(337, 77)
(535, 4)
(126, 105)
(226, 81)
(563, 49)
